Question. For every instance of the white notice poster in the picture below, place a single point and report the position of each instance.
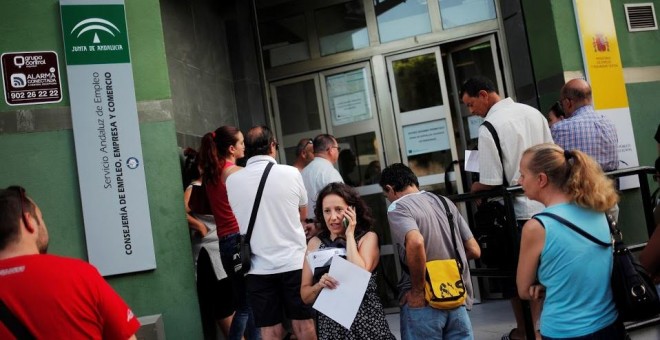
(348, 97)
(426, 137)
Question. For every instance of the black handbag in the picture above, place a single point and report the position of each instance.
(632, 288)
(244, 251)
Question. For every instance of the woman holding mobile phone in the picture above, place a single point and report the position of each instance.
(346, 222)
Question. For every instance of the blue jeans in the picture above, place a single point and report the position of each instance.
(243, 322)
(429, 323)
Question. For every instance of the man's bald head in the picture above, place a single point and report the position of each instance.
(259, 141)
(575, 94)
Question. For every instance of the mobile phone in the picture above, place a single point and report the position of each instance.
(345, 222)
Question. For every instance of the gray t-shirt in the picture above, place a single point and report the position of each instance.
(424, 212)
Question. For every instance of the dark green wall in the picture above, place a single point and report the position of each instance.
(545, 51)
(567, 34)
(638, 49)
(42, 158)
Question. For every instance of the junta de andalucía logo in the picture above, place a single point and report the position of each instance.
(96, 26)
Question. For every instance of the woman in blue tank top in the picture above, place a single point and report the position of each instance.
(571, 273)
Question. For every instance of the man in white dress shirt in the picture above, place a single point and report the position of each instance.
(321, 171)
(518, 127)
(278, 240)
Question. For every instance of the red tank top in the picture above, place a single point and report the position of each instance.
(224, 217)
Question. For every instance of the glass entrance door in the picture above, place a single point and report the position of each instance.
(429, 130)
(423, 117)
(341, 102)
(476, 57)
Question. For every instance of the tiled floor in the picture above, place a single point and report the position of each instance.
(494, 318)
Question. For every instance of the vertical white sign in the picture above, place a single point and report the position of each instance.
(107, 136)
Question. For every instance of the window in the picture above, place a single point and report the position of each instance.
(342, 27)
(456, 13)
(401, 19)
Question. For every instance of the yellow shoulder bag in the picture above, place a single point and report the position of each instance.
(444, 288)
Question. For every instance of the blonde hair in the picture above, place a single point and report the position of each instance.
(576, 174)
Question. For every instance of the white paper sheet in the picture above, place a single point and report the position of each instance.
(342, 303)
(472, 160)
(322, 257)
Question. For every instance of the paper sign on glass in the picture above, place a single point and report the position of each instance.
(342, 303)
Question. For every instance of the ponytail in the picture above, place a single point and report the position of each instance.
(588, 185)
(214, 151)
(208, 159)
(576, 174)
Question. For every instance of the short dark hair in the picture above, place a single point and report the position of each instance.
(323, 142)
(302, 144)
(13, 202)
(258, 140)
(556, 108)
(472, 86)
(190, 170)
(398, 176)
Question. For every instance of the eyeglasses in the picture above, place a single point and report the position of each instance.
(310, 142)
(336, 147)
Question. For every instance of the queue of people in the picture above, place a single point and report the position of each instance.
(332, 215)
(295, 211)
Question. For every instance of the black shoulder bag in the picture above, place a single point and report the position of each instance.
(632, 288)
(491, 222)
(496, 139)
(245, 251)
(13, 324)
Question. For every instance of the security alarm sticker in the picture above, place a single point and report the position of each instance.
(31, 78)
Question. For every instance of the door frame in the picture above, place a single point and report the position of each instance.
(424, 115)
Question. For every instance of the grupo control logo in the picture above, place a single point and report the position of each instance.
(95, 34)
(30, 77)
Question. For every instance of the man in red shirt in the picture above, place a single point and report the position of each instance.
(46, 296)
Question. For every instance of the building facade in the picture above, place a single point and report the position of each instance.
(382, 76)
